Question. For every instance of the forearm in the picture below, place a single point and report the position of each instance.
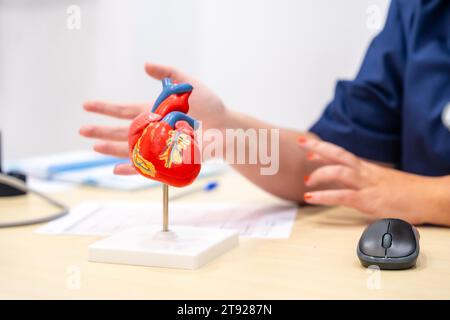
(437, 201)
(285, 177)
(417, 199)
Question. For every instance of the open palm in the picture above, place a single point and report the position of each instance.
(204, 105)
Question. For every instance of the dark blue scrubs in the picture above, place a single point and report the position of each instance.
(392, 111)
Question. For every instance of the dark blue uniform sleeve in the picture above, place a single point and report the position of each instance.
(364, 116)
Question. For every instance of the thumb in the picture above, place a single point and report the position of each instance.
(159, 72)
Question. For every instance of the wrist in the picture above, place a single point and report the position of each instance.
(439, 205)
(228, 120)
(214, 133)
(222, 120)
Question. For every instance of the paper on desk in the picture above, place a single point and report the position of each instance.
(99, 176)
(251, 220)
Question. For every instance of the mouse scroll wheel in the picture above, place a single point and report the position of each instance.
(387, 240)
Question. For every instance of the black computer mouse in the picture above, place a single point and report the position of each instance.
(390, 244)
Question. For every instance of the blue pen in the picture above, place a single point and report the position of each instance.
(210, 186)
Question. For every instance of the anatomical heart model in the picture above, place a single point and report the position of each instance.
(163, 148)
(161, 143)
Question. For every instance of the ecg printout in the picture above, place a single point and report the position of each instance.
(106, 218)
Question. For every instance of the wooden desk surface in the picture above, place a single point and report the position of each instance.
(318, 261)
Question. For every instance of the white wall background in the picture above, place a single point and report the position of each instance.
(276, 59)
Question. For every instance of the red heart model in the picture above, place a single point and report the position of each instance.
(161, 143)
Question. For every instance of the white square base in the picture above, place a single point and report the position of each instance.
(181, 247)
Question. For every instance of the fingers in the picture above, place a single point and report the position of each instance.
(159, 72)
(346, 176)
(104, 133)
(115, 149)
(330, 151)
(342, 197)
(116, 110)
(316, 158)
(124, 169)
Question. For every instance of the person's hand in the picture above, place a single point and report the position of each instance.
(204, 106)
(368, 187)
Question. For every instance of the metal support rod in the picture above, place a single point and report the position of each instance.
(165, 207)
